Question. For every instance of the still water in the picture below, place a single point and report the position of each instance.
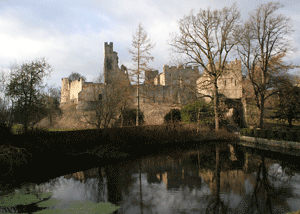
(211, 179)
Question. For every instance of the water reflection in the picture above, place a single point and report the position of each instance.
(212, 179)
(222, 179)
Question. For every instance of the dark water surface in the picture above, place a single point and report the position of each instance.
(221, 178)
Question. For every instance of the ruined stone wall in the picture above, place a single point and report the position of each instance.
(173, 84)
(162, 79)
(90, 91)
(150, 76)
(75, 88)
(70, 90)
(173, 75)
(230, 84)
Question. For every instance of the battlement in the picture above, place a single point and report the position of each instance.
(108, 48)
(167, 67)
(232, 65)
(65, 83)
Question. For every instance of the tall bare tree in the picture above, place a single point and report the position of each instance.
(141, 47)
(206, 38)
(263, 43)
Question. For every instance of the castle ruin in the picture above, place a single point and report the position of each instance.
(175, 85)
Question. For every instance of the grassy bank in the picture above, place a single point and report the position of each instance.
(49, 154)
(40, 141)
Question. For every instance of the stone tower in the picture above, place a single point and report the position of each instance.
(110, 63)
(65, 90)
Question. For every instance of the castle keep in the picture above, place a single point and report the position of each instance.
(175, 85)
(229, 83)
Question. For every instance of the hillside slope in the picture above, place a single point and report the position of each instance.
(154, 115)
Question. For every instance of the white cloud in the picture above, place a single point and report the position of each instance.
(71, 34)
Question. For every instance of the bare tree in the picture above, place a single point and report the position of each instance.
(108, 102)
(6, 108)
(263, 43)
(74, 76)
(141, 47)
(206, 38)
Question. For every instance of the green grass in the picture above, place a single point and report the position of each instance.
(17, 129)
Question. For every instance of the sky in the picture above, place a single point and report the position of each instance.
(71, 34)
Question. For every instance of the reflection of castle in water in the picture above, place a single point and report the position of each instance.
(194, 171)
(82, 176)
(190, 170)
(193, 168)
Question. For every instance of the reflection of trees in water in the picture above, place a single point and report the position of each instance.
(140, 181)
(114, 193)
(216, 205)
(101, 186)
(118, 181)
(265, 197)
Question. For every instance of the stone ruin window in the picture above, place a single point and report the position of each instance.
(100, 97)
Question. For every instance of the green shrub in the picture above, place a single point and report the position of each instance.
(244, 131)
(190, 112)
(173, 114)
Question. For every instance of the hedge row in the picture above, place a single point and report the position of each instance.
(274, 135)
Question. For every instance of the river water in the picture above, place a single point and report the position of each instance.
(221, 178)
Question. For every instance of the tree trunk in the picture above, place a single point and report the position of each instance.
(26, 119)
(216, 107)
(261, 113)
(138, 103)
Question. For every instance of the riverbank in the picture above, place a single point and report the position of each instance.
(53, 154)
(268, 142)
